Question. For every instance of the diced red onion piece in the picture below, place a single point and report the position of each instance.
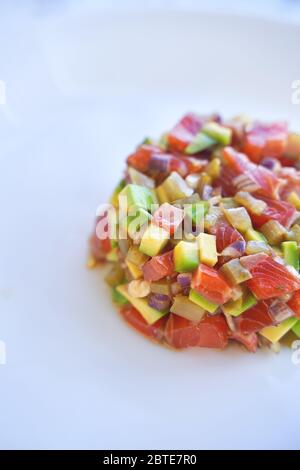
(184, 279)
(271, 164)
(230, 321)
(160, 163)
(280, 311)
(245, 182)
(159, 301)
(176, 288)
(206, 192)
(235, 250)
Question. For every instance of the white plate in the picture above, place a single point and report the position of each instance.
(81, 92)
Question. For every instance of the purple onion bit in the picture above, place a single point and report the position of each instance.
(280, 311)
(235, 250)
(184, 279)
(160, 302)
(160, 163)
(271, 164)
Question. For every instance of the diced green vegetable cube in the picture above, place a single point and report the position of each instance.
(173, 188)
(207, 249)
(198, 299)
(220, 133)
(296, 329)
(154, 240)
(201, 142)
(138, 197)
(290, 253)
(237, 307)
(185, 308)
(186, 257)
(118, 298)
(275, 333)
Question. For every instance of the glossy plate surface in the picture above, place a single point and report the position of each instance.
(81, 92)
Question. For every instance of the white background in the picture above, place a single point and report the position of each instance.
(83, 87)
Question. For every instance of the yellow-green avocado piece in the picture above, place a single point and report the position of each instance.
(275, 333)
(207, 249)
(202, 302)
(148, 313)
(154, 240)
(137, 197)
(290, 253)
(186, 256)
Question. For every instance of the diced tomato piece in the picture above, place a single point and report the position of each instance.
(168, 217)
(254, 319)
(281, 211)
(210, 332)
(269, 278)
(249, 341)
(159, 267)
(211, 284)
(294, 303)
(265, 140)
(135, 319)
(184, 131)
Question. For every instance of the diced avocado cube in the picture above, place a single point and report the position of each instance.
(136, 222)
(237, 307)
(185, 308)
(220, 133)
(138, 197)
(196, 212)
(118, 298)
(114, 200)
(294, 199)
(162, 194)
(239, 218)
(277, 251)
(213, 169)
(228, 203)
(154, 240)
(274, 232)
(198, 299)
(294, 233)
(292, 149)
(173, 188)
(254, 247)
(201, 142)
(140, 179)
(136, 257)
(161, 287)
(186, 257)
(296, 329)
(207, 249)
(151, 315)
(112, 256)
(134, 270)
(255, 236)
(115, 276)
(234, 272)
(275, 333)
(290, 254)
